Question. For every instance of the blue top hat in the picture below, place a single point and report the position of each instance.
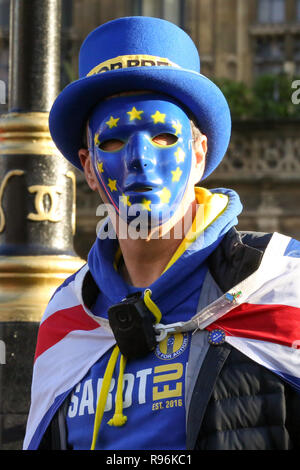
(140, 53)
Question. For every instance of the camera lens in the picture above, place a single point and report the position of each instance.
(124, 318)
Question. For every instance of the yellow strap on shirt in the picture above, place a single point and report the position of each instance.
(118, 418)
(151, 305)
(104, 392)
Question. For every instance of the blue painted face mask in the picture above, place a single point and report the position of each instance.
(142, 154)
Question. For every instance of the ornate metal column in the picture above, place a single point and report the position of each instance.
(37, 205)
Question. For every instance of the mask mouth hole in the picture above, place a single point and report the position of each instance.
(142, 189)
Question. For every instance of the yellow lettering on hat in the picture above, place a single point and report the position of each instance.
(125, 61)
(133, 63)
(148, 63)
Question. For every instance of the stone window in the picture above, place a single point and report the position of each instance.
(269, 55)
(171, 10)
(4, 14)
(297, 54)
(298, 10)
(271, 11)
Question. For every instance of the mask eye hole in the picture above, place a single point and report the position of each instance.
(165, 139)
(111, 145)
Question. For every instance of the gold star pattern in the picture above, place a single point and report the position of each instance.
(112, 122)
(158, 117)
(165, 195)
(146, 204)
(96, 139)
(176, 174)
(112, 185)
(125, 200)
(100, 167)
(180, 155)
(177, 126)
(135, 114)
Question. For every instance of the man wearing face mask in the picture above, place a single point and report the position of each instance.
(179, 332)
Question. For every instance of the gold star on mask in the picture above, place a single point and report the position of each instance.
(158, 117)
(179, 154)
(112, 122)
(96, 139)
(165, 195)
(134, 114)
(146, 204)
(125, 200)
(177, 126)
(100, 167)
(112, 184)
(176, 174)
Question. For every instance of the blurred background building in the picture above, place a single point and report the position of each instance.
(251, 48)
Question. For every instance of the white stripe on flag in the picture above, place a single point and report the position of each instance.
(61, 367)
(274, 268)
(66, 297)
(282, 360)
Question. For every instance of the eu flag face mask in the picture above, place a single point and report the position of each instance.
(142, 155)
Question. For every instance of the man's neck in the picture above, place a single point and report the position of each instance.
(145, 260)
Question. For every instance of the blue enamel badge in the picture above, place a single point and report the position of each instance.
(216, 337)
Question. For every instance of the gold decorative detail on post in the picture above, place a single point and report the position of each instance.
(41, 212)
(28, 282)
(26, 133)
(2, 187)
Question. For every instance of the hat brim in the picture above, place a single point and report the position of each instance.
(199, 95)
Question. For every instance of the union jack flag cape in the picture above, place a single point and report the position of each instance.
(260, 317)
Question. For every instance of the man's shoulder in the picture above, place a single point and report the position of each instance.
(70, 280)
(237, 256)
(258, 240)
(67, 294)
(293, 248)
(240, 254)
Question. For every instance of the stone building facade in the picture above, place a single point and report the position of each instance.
(237, 40)
(240, 40)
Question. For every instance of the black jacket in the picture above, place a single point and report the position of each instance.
(236, 403)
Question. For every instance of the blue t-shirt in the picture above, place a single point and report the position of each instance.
(153, 401)
(154, 386)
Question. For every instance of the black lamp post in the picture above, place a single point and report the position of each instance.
(37, 205)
